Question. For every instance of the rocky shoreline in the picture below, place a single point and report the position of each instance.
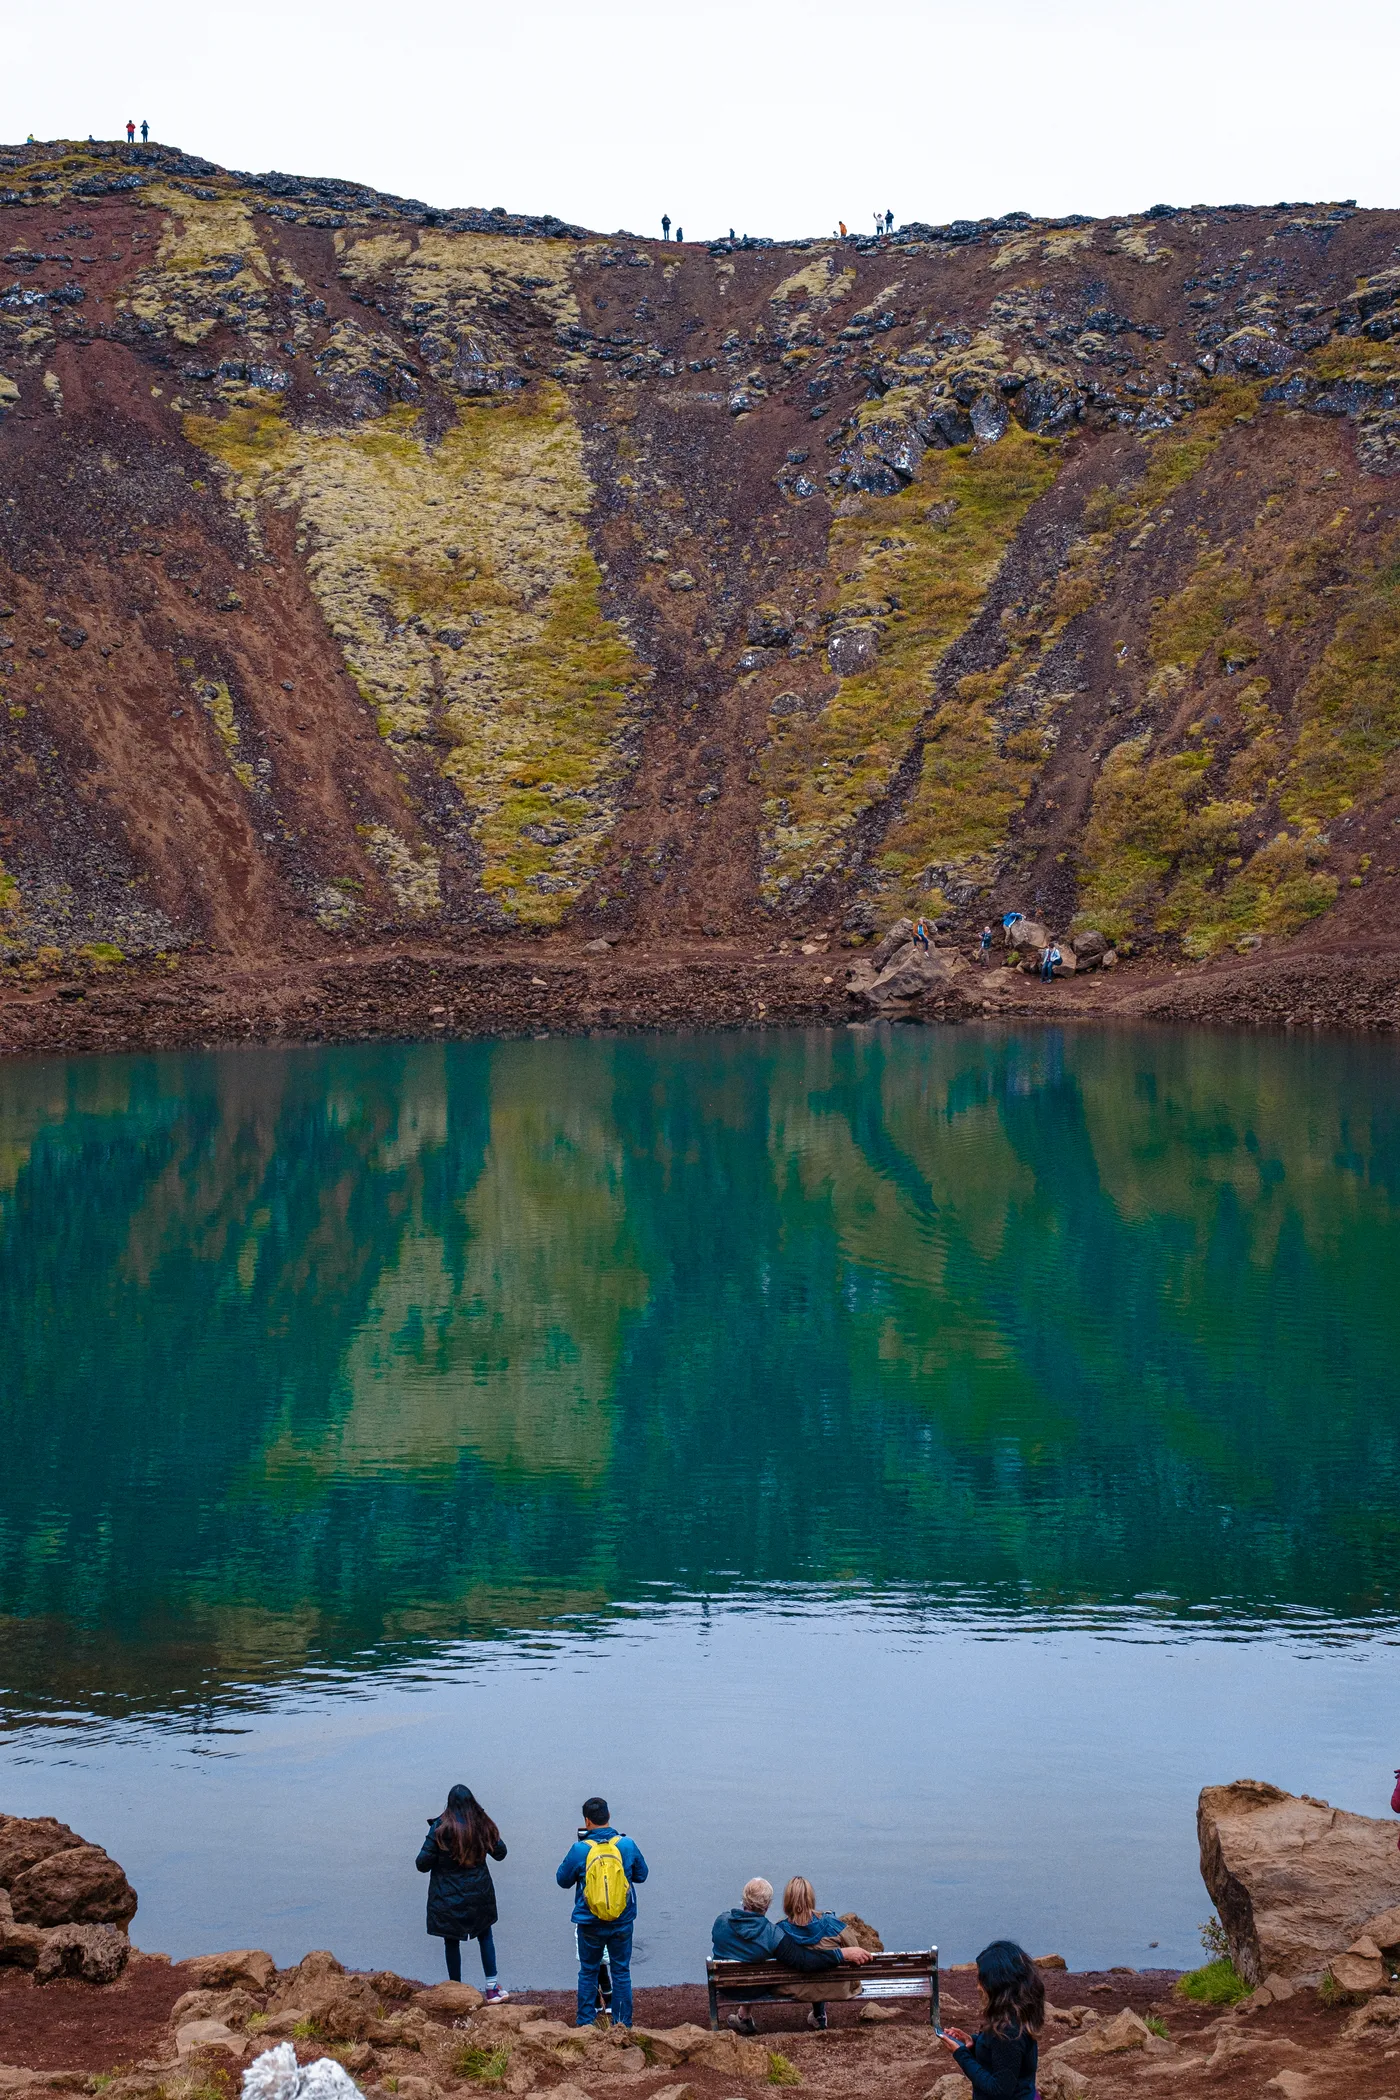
(433, 992)
(1302, 1890)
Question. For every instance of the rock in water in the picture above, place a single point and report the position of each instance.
(1296, 1882)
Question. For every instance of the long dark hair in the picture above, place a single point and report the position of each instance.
(1015, 1993)
(464, 1831)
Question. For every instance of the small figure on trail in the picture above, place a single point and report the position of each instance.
(731, 233)
(461, 1895)
(986, 944)
(842, 225)
(889, 222)
(921, 933)
(679, 235)
(1050, 955)
(145, 131)
(1004, 2055)
(603, 1866)
(130, 132)
(879, 224)
(665, 226)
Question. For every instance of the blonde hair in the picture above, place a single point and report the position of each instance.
(758, 1894)
(799, 1901)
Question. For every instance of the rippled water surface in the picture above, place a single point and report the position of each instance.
(916, 1458)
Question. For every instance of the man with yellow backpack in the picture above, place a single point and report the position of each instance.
(602, 1868)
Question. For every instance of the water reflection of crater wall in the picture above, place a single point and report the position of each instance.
(302, 1352)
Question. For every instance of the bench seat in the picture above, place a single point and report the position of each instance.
(908, 1975)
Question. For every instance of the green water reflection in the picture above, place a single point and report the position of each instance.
(304, 1354)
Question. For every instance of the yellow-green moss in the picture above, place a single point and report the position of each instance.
(927, 557)
(9, 890)
(1174, 457)
(457, 578)
(1348, 746)
(1138, 825)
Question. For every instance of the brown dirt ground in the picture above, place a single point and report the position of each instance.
(79, 2030)
(496, 987)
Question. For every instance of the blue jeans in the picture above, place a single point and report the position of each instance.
(453, 1950)
(593, 1936)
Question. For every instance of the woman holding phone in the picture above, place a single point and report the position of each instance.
(1000, 2060)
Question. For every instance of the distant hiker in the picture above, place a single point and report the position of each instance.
(461, 1894)
(145, 131)
(921, 933)
(1050, 955)
(731, 233)
(986, 944)
(889, 222)
(748, 1934)
(1001, 2061)
(130, 132)
(842, 224)
(879, 225)
(603, 1867)
(679, 235)
(665, 226)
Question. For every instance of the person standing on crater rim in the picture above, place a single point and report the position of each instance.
(145, 131)
(665, 226)
(889, 222)
(461, 1894)
(130, 131)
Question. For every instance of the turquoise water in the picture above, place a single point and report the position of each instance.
(918, 1458)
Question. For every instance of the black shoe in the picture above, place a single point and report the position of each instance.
(816, 2018)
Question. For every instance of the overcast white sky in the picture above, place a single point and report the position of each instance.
(773, 117)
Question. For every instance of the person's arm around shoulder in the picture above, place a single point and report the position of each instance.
(571, 1866)
(796, 1954)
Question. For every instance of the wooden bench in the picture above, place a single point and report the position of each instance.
(883, 1976)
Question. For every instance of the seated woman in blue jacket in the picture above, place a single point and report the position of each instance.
(1000, 2060)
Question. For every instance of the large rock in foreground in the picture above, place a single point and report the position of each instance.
(1297, 1883)
(54, 1877)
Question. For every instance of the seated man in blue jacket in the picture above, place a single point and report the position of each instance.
(748, 1934)
(595, 1934)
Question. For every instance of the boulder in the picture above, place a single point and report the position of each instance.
(673, 2092)
(452, 2001)
(234, 2008)
(874, 2012)
(915, 975)
(1126, 2030)
(732, 2058)
(244, 1969)
(1357, 1975)
(890, 943)
(1026, 933)
(198, 2037)
(21, 1945)
(859, 1934)
(1090, 947)
(96, 1953)
(659, 2046)
(76, 1885)
(1061, 2081)
(1294, 1880)
(391, 1986)
(1294, 2085)
(25, 1840)
(1383, 1931)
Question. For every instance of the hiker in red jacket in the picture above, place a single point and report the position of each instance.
(130, 132)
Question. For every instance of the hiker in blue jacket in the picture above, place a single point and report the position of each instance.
(607, 1930)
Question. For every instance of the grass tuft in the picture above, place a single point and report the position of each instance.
(1217, 1983)
(484, 2066)
(782, 2070)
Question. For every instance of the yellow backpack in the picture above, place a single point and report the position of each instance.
(605, 1884)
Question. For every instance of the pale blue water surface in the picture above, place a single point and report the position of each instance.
(919, 1458)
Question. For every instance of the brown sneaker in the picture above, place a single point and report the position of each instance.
(742, 2023)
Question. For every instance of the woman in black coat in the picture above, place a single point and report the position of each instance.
(1000, 2060)
(461, 1895)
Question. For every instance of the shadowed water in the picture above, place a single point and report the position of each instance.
(471, 1383)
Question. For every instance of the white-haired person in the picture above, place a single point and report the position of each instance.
(749, 1934)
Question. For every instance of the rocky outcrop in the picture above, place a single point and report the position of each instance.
(54, 1877)
(1300, 1887)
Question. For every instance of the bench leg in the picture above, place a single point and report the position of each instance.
(933, 2006)
(714, 2009)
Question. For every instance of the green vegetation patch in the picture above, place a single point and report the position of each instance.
(1218, 1983)
(782, 2070)
(485, 2066)
(916, 568)
(1349, 740)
